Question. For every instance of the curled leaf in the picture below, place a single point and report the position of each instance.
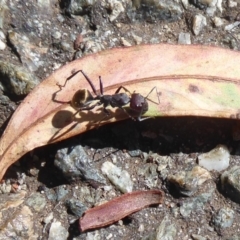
(119, 208)
(191, 80)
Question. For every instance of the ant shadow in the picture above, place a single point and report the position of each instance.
(65, 121)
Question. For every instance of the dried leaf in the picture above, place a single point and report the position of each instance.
(193, 81)
(119, 208)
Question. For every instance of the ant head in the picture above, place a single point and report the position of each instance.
(81, 98)
(138, 103)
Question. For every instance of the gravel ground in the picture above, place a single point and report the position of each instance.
(44, 194)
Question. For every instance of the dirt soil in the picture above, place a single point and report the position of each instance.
(67, 33)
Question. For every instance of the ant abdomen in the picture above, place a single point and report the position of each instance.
(81, 98)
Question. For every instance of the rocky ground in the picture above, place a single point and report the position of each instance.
(39, 202)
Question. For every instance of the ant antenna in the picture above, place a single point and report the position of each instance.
(90, 82)
(101, 85)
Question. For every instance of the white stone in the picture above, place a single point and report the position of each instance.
(217, 159)
(232, 4)
(184, 38)
(199, 22)
(120, 178)
(56, 35)
(219, 5)
(48, 218)
(218, 22)
(125, 42)
(185, 3)
(2, 35)
(116, 7)
(232, 26)
(2, 45)
(57, 231)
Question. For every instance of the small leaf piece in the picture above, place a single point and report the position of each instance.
(119, 208)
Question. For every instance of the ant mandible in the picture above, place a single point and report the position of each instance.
(83, 98)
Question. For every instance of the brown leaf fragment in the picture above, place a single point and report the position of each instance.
(118, 208)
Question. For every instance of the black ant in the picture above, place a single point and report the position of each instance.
(83, 98)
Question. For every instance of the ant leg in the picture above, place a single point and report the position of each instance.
(157, 95)
(139, 118)
(86, 108)
(125, 89)
(61, 87)
(107, 113)
(90, 82)
(129, 115)
(123, 109)
(69, 78)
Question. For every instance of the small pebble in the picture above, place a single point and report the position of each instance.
(60, 18)
(65, 46)
(115, 8)
(185, 3)
(234, 237)
(230, 183)
(199, 22)
(95, 235)
(184, 38)
(5, 187)
(125, 42)
(217, 159)
(37, 201)
(198, 237)
(218, 22)
(48, 218)
(195, 204)
(120, 178)
(2, 35)
(224, 218)
(56, 35)
(141, 228)
(11, 200)
(187, 182)
(17, 80)
(61, 192)
(166, 230)
(76, 165)
(137, 39)
(232, 26)
(2, 45)
(135, 153)
(76, 207)
(31, 55)
(232, 4)
(57, 231)
(109, 236)
(19, 226)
